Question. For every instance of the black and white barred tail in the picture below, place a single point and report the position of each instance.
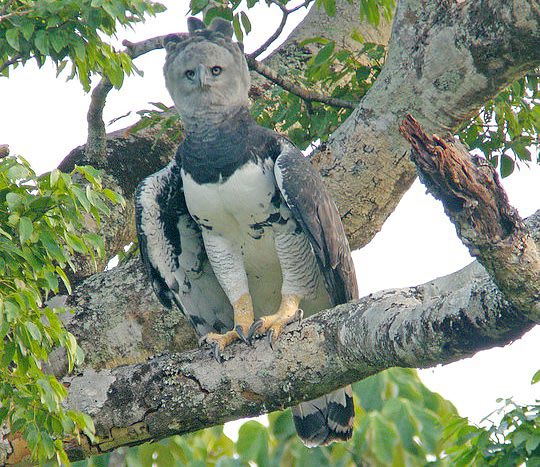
(327, 419)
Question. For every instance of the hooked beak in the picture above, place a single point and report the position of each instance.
(201, 76)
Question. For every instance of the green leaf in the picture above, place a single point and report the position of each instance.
(81, 197)
(27, 29)
(245, 22)
(237, 28)
(252, 443)
(383, 437)
(14, 200)
(57, 40)
(369, 9)
(330, 7)
(282, 425)
(26, 229)
(18, 172)
(47, 444)
(532, 443)
(324, 54)
(362, 73)
(46, 394)
(11, 310)
(52, 246)
(536, 377)
(197, 6)
(507, 165)
(64, 278)
(12, 38)
(114, 197)
(42, 42)
(75, 243)
(34, 331)
(91, 174)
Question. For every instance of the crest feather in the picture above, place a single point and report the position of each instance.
(195, 24)
(222, 26)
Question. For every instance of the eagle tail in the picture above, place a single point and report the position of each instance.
(327, 419)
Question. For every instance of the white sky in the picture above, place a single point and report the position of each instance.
(43, 117)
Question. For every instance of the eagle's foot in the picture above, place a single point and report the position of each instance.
(273, 325)
(218, 342)
(243, 319)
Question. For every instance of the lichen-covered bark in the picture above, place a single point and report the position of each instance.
(118, 320)
(438, 322)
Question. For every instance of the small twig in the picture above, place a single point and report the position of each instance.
(136, 49)
(9, 62)
(279, 29)
(273, 37)
(18, 12)
(298, 7)
(308, 96)
(96, 143)
(6, 6)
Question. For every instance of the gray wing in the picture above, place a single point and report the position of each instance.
(303, 191)
(173, 253)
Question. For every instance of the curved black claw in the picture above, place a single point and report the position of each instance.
(299, 315)
(215, 352)
(270, 338)
(253, 329)
(241, 334)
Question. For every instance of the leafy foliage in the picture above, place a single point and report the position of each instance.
(370, 10)
(69, 31)
(40, 223)
(514, 441)
(340, 73)
(507, 126)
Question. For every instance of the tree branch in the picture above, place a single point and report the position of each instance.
(296, 89)
(285, 16)
(439, 322)
(444, 61)
(10, 62)
(476, 203)
(96, 143)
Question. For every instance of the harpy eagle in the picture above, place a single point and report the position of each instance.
(238, 230)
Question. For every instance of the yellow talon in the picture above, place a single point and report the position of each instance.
(243, 318)
(287, 313)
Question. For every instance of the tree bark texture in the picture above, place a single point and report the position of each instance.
(475, 201)
(445, 59)
(438, 322)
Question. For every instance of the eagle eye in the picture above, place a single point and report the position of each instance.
(216, 70)
(189, 74)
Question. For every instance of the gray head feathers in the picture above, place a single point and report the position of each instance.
(205, 71)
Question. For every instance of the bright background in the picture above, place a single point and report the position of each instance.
(43, 117)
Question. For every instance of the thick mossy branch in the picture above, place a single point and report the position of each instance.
(475, 201)
(438, 322)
